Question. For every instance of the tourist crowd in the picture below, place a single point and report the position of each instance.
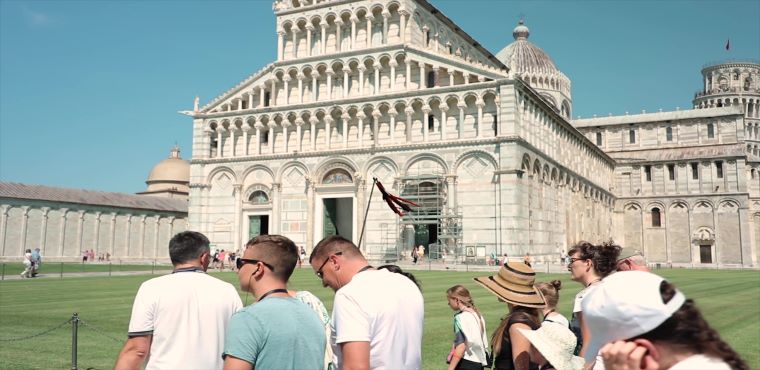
(624, 318)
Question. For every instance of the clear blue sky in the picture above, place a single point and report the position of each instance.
(89, 90)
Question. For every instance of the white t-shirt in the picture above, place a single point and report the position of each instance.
(385, 309)
(599, 364)
(187, 314)
(473, 328)
(558, 319)
(701, 362)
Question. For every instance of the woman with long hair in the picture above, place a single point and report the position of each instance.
(514, 285)
(550, 291)
(469, 351)
(641, 321)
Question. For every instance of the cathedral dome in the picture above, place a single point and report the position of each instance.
(170, 176)
(522, 56)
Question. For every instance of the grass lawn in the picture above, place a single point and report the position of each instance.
(729, 299)
(55, 268)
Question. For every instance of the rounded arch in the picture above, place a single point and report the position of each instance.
(257, 167)
(335, 162)
(632, 206)
(477, 153)
(377, 159)
(526, 163)
(427, 157)
(258, 194)
(679, 205)
(219, 170)
(728, 205)
(288, 165)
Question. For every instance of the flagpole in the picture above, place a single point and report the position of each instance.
(366, 212)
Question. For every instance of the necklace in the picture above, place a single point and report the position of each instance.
(273, 291)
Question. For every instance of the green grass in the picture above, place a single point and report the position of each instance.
(729, 299)
(55, 268)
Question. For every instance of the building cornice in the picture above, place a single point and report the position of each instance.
(658, 117)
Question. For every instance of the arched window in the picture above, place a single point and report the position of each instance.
(598, 139)
(669, 133)
(431, 123)
(656, 222)
(259, 197)
(632, 136)
(337, 176)
(710, 131)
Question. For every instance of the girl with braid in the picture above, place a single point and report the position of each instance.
(640, 321)
(470, 340)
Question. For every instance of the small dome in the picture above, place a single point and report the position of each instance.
(522, 56)
(173, 169)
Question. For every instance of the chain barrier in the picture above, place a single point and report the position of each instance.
(99, 331)
(38, 334)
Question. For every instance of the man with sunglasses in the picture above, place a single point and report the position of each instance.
(277, 331)
(377, 314)
(178, 320)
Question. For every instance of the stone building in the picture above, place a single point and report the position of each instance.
(65, 222)
(394, 90)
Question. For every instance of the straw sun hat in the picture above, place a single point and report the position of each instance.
(514, 284)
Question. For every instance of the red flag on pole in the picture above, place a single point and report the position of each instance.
(728, 44)
(395, 201)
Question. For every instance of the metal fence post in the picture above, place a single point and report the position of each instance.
(61, 270)
(153, 269)
(74, 328)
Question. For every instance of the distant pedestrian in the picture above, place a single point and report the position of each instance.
(84, 256)
(36, 261)
(178, 320)
(27, 261)
(527, 259)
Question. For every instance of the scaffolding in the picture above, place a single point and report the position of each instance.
(433, 223)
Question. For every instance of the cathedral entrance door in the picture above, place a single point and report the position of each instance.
(338, 217)
(258, 225)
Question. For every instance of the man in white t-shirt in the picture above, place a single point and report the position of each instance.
(179, 320)
(377, 314)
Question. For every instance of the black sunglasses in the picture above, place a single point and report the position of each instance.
(319, 272)
(572, 260)
(240, 262)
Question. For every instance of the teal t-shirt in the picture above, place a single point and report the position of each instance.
(277, 333)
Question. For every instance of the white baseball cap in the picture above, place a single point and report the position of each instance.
(625, 305)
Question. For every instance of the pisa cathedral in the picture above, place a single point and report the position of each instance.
(484, 143)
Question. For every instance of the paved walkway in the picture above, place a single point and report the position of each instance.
(53, 275)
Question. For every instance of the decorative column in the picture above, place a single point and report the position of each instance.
(157, 228)
(270, 135)
(310, 210)
(280, 44)
(250, 99)
(354, 20)
(232, 130)
(393, 64)
(262, 95)
(236, 193)
(323, 39)
(423, 81)
(403, 14)
(425, 117)
(299, 123)
(286, 88)
(361, 69)
(480, 104)
(375, 122)
(345, 117)
(3, 225)
(360, 116)
(294, 31)
(127, 235)
(246, 128)
(462, 106)
(309, 30)
(338, 23)
(466, 78)
(377, 78)
(314, 85)
(330, 74)
(451, 78)
(346, 70)
(313, 132)
(142, 236)
(386, 15)
(300, 78)
(273, 93)
(43, 229)
(392, 113)
(112, 234)
(259, 126)
(276, 190)
(96, 233)
(328, 122)
(219, 146)
(408, 77)
(369, 18)
(408, 127)
(444, 109)
(24, 222)
(436, 74)
(285, 124)
(62, 231)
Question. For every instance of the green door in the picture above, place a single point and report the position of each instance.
(330, 218)
(258, 225)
